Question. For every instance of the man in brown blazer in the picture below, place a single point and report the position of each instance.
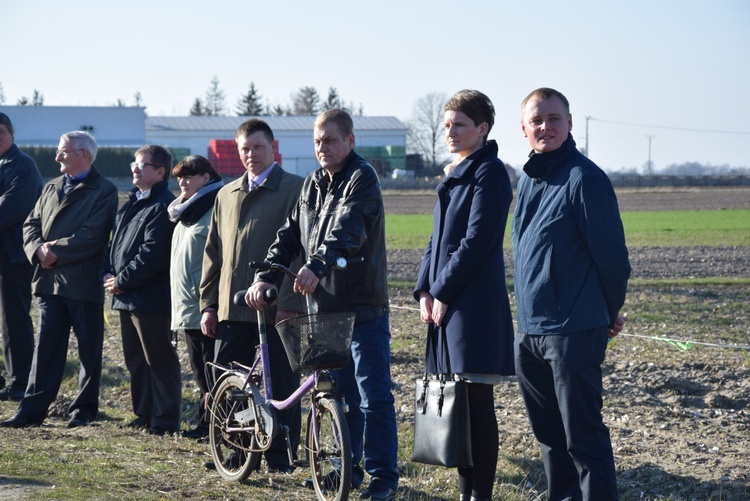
(247, 214)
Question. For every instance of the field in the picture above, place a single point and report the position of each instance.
(677, 390)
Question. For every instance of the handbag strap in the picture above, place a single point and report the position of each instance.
(432, 333)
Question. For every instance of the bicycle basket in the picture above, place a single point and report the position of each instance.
(316, 342)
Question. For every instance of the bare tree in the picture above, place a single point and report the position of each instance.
(215, 98)
(138, 100)
(120, 103)
(23, 101)
(425, 130)
(2, 94)
(249, 104)
(306, 102)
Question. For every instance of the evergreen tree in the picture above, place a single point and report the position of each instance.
(37, 99)
(333, 101)
(215, 99)
(306, 102)
(249, 104)
(198, 109)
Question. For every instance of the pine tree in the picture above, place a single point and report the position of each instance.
(198, 109)
(250, 104)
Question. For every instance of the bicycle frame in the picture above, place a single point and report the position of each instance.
(262, 364)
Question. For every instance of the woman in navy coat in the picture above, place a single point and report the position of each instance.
(461, 285)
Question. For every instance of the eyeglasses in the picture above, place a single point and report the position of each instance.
(141, 165)
(63, 152)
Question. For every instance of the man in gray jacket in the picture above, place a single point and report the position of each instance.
(65, 237)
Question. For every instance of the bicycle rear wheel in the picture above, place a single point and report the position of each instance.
(231, 450)
(329, 451)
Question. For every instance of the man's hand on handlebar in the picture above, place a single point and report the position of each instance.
(306, 281)
(255, 295)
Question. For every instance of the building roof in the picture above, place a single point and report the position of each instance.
(277, 123)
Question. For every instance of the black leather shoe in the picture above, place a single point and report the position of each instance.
(78, 422)
(158, 431)
(196, 433)
(138, 422)
(280, 468)
(330, 481)
(9, 393)
(378, 492)
(19, 421)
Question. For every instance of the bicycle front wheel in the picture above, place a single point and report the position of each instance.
(329, 450)
(233, 452)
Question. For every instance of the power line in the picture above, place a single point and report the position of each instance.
(686, 129)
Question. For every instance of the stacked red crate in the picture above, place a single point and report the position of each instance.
(223, 155)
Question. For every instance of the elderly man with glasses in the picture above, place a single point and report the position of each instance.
(65, 237)
(136, 272)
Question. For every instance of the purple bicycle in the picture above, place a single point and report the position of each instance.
(242, 409)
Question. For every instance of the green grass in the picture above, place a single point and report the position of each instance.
(720, 228)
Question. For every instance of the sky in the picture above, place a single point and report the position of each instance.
(669, 74)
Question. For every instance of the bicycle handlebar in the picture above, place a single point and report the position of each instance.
(239, 297)
(340, 263)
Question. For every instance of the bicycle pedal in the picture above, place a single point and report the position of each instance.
(237, 396)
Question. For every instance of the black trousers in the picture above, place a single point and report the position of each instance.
(155, 379)
(200, 350)
(237, 341)
(56, 316)
(16, 327)
(560, 378)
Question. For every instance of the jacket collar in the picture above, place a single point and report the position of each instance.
(543, 165)
(156, 188)
(271, 182)
(465, 165)
(320, 176)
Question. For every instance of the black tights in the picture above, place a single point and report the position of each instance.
(479, 480)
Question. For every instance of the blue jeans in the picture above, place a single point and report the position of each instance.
(366, 385)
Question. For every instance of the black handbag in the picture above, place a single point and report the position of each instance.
(442, 430)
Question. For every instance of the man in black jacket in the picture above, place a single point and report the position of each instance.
(20, 186)
(340, 214)
(136, 271)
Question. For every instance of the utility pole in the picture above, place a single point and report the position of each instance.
(648, 165)
(588, 117)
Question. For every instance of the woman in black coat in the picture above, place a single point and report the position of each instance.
(461, 285)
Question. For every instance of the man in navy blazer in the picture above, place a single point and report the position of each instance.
(20, 186)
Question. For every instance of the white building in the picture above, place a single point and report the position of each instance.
(294, 133)
(376, 137)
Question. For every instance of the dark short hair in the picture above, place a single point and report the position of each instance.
(252, 126)
(474, 105)
(341, 118)
(5, 120)
(544, 93)
(160, 156)
(195, 165)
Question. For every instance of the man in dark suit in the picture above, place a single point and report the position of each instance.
(65, 237)
(136, 272)
(20, 186)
